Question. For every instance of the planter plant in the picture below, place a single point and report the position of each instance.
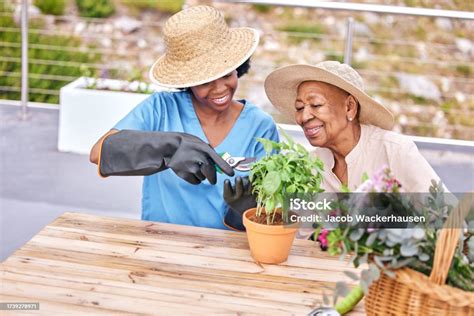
(287, 169)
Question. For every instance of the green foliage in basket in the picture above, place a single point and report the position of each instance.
(386, 250)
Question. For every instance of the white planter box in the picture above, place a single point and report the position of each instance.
(85, 114)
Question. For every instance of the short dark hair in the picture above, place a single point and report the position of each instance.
(243, 69)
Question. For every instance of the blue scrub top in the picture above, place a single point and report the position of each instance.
(170, 199)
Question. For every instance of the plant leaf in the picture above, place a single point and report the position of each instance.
(356, 234)
(408, 250)
(374, 272)
(364, 286)
(424, 256)
(402, 263)
(289, 140)
(268, 145)
(325, 298)
(390, 273)
(342, 289)
(378, 261)
(269, 206)
(352, 275)
(271, 182)
(370, 240)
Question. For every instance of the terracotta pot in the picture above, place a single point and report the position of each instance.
(268, 243)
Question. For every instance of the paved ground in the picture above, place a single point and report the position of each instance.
(38, 183)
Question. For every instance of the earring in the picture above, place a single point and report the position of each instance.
(350, 119)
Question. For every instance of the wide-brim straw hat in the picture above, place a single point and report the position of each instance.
(200, 48)
(282, 84)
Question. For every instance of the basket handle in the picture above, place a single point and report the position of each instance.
(448, 240)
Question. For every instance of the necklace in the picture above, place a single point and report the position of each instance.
(341, 178)
(344, 175)
(345, 172)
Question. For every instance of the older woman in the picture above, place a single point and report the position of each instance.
(175, 138)
(350, 130)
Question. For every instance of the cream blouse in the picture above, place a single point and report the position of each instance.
(378, 147)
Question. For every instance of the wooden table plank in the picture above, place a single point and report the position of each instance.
(214, 237)
(86, 263)
(196, 247)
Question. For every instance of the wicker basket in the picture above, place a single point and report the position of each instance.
(413, 293)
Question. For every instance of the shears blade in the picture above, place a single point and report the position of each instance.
(239, 163)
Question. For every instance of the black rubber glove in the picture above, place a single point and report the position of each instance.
(131, 153)
(239, 198)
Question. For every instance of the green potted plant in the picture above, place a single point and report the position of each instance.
(287, 169)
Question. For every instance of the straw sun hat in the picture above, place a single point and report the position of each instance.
(282, 84)
(200, 48)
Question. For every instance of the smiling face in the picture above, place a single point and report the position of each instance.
(323, 110)
(217, 94)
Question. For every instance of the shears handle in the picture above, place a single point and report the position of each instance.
(224, 156)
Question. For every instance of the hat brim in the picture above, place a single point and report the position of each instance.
(236, 48)
(282, 84)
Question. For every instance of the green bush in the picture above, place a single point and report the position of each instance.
(95, 8)
(303, 28)
(54, 7)
(418, 99)
(300, 30)
(170, 6)
(167, 6)
(262, 8)
(333, 55)
(10, 70)
(464, 70)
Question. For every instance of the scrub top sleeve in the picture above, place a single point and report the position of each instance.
(268, 130)
(272, 133)
(144, 117)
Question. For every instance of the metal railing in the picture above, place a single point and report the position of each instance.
(24, 60)
(328, 44)
(349, 41)
(362, 7)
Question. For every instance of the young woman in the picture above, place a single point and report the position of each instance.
(176, 138)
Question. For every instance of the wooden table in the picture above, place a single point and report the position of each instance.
(83, 264)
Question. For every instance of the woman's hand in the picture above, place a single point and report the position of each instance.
(239, 198)
(144, 153)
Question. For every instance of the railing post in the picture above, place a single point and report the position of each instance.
(348, 43)
(24, 60)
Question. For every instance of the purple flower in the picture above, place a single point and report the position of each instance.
(104, 73)
(322, 238)
(381, 181)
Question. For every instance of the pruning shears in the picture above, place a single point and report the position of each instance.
(237, 163)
